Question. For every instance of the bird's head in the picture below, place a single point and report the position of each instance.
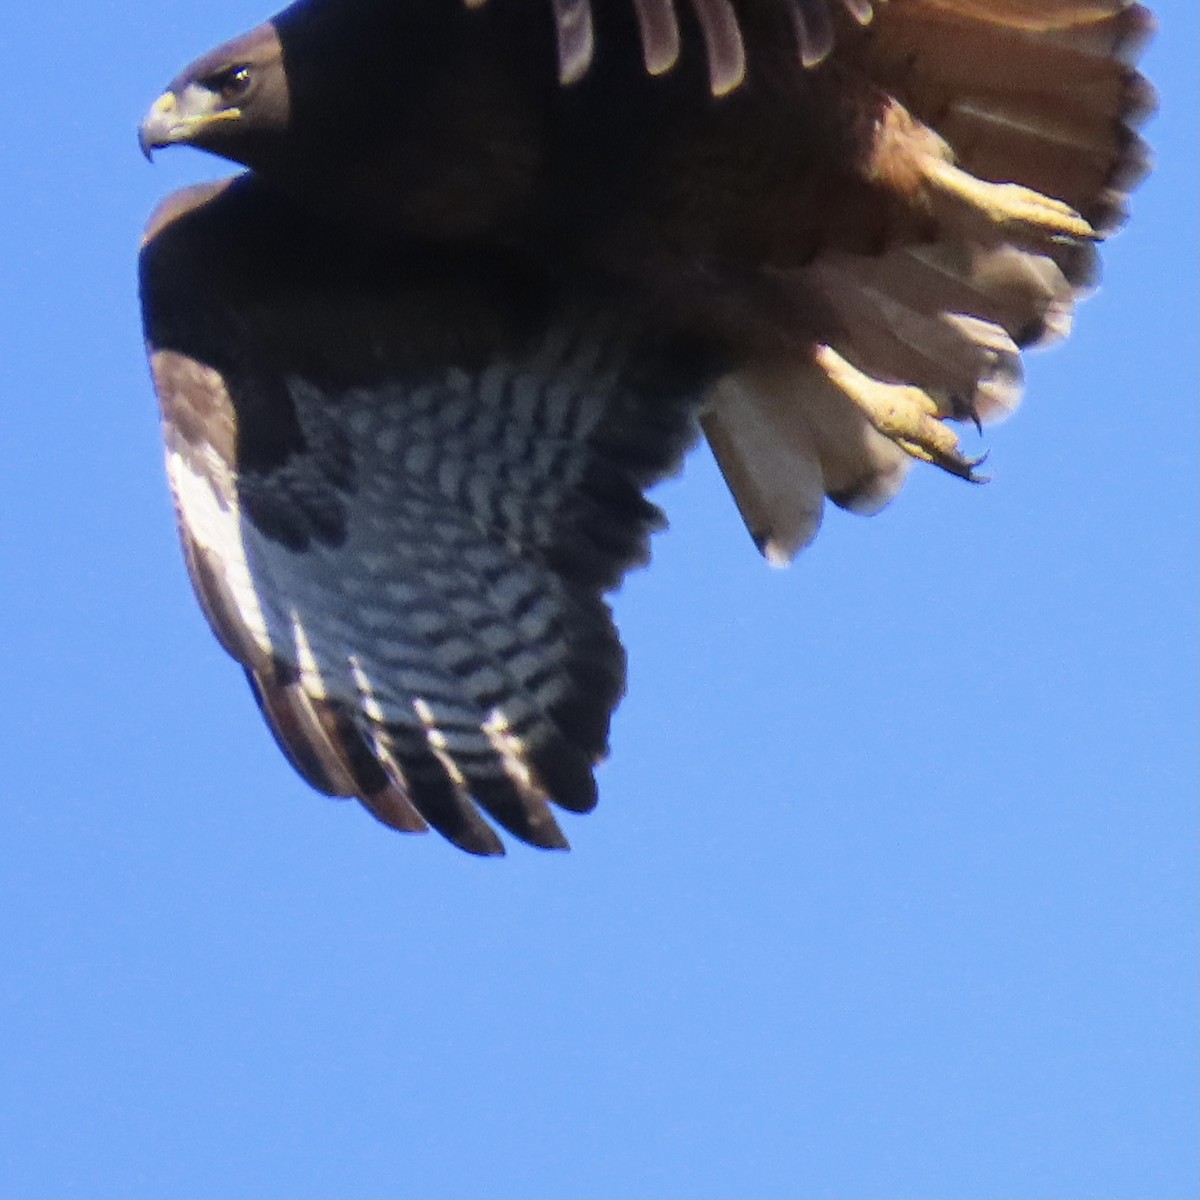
(229, 102)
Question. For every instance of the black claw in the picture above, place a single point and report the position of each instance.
(962, 467)
(963, 409)
(972, 463)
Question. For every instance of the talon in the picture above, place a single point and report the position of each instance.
(1009, 208)
(953, 462)
(971, 477)
(907, 415)
(964, 410)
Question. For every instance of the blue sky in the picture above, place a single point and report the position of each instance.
(891, 891)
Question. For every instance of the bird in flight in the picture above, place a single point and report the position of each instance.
(491, 268)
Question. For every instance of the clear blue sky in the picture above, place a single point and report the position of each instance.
(891, 891)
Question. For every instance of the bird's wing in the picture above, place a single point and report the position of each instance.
(402, 489)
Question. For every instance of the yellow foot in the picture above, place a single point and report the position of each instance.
(1010, 210)
(907, 415)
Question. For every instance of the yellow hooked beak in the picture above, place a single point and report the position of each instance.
(173, 119)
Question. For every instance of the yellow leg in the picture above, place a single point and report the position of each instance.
(907, 415)
(1010, 209)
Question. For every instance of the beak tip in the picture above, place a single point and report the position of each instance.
(158, 125)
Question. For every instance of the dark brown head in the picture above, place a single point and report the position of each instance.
(232, 101)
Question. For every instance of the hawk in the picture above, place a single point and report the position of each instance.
(491, 268)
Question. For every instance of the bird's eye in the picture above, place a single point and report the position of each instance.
(231, 83)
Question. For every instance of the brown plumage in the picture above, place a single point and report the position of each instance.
(823, 229)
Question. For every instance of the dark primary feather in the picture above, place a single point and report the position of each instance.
(405, 482)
